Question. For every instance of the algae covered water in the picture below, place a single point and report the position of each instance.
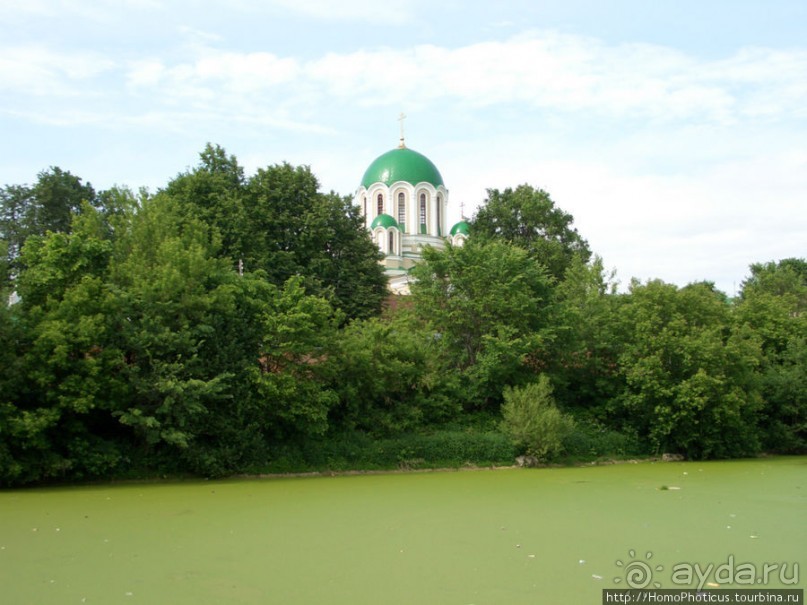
(541, 536)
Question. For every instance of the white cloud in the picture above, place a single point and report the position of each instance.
(196, 39)
(571, 73)
(250, 71)
(536, 71)
(145, 73)
(38, 71)
(388, 12)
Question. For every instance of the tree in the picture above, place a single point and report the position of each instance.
(348, 262)
(533, 421)
(690, 375)
(15, 204)
(5, 272)
(218, 364)
(11, 382)
(214, 193)
(297, 341)
(65, 376)
(773, 303)
(138, 338)
(488, 303)
(391, 375)
(528, 218)
(55, 262)
(149, 346)
(279, 223)
(47, 206)
(57, 196)
(298, 231)
(171, 291)
(785, 278)
(582, 360)
(118, 205)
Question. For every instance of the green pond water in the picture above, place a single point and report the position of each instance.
(540, 536)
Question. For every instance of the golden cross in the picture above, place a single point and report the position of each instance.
(401, 119)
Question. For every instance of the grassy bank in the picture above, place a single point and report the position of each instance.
(480, 444)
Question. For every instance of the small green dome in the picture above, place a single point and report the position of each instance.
(462, 227)
(402, 164)
(384, 220)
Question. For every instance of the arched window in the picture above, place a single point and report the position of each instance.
(439, 215)
(423, 213)
(402, 211)
(364, 201)
(380, 207)
(391, 242)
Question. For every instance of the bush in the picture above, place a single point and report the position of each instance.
(591, 440)
(356, 450)
(533, 421)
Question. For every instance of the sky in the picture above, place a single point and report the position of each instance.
(675, 132)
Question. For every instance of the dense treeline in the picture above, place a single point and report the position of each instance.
(230, 323)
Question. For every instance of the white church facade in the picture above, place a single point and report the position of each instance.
(404, 200)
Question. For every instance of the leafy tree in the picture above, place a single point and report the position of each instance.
(285, 219)
(583, 358)
(47, 206)
(773, 303)
(786, 278)
(15, 204)
(295, 230)
(10, 383)
(347, 264)
(691, 382)
(57, 196)
(149, 346)
(59, 260)
(533, 421)
(118, 205)
(279, 223)
(214, 193)
(528, 218)
(488, 302)
(298, 333)
(5, 272)
(784, 389)
(391, 375)
(220, 364)
(170, 288)
(64, 379)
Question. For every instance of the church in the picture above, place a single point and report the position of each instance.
(403, 200)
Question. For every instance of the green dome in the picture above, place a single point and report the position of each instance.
(385, 220)
(402, 164)
(461, 227)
